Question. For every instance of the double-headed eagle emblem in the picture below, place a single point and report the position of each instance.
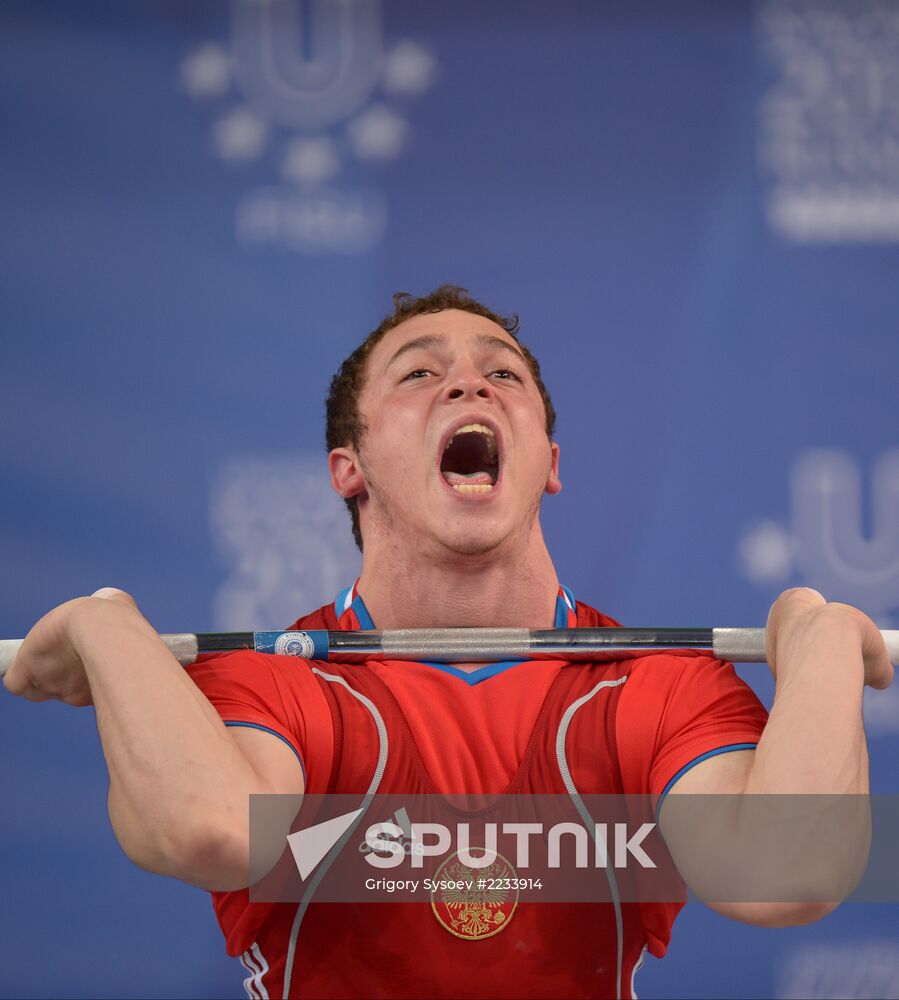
(482, 901)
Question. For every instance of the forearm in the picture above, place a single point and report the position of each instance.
(179, 786)
(781, 834)
(804, 820)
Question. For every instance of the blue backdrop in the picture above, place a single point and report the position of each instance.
(693, 207)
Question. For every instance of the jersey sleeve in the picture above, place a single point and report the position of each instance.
(677, 710)
(278, 695)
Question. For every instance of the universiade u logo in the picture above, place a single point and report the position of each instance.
(308, 65)
(320, 94)
(833, 549)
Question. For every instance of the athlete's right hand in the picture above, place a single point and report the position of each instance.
(48, 665)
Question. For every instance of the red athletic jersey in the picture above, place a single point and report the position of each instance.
(634, 725)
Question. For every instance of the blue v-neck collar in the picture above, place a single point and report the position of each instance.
(350, 598)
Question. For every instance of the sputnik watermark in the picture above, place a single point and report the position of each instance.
(598, 848)
(389, 844)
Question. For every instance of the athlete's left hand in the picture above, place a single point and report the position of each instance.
(801, 622)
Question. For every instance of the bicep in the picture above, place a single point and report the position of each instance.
(722, 774)
(274, 763)
(689, 840)
(679, 819)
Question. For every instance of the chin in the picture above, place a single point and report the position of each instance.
(471, 547)
(479, 536)
(469, 543)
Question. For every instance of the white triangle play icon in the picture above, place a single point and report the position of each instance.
(311, 845)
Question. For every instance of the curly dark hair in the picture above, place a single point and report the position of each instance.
(344, 423)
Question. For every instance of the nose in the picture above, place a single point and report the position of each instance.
(468, 383)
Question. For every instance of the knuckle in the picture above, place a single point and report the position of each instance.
(846, 612)
(804, 594)
(797, 600)
(16, 681)
(838, 606)
(113, 593)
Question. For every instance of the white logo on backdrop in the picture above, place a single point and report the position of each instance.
(825, 545)
(829, 123)
(287, 537)
(857, 970)
(322, 100)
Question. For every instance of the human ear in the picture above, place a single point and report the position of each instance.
(553, 483)
(347, 477)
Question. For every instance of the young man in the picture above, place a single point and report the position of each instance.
(440, 438)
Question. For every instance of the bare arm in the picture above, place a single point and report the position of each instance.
(822, 656)
(180, 780)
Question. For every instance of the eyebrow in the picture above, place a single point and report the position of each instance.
(432, 340)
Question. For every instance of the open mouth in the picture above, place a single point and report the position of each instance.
(470, 461)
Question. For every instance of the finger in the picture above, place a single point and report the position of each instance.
(35, 694)
(791, 605)
(881, 672)
(790, 601)
(80, 700)
(114, 594)
(884, 677)
(75, 691)
(806, 596)
(16, 680)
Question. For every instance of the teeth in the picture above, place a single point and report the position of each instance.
(471, 488)
(468, 429)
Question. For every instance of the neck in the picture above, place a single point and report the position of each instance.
(405, 588)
